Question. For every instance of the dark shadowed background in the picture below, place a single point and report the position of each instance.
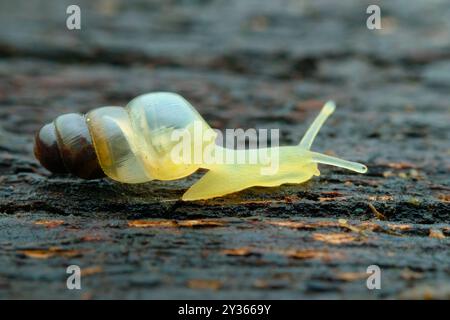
(243, 64)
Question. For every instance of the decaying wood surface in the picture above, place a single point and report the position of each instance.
(243, 64)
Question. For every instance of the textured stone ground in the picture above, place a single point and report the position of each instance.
(243, 64)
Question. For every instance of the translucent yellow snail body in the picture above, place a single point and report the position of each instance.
(136, 144)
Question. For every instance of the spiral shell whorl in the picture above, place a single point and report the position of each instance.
(134, 143)
(65, 145)
(46, 149)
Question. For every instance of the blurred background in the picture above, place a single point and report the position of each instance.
(242, 64)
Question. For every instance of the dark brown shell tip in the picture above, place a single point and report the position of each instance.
(75, 146)
(64, 146)
(46, 149)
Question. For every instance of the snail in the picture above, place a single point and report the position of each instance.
(135, 144)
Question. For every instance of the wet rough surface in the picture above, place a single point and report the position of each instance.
(243, 64)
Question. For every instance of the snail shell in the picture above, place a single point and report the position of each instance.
(130, 144)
